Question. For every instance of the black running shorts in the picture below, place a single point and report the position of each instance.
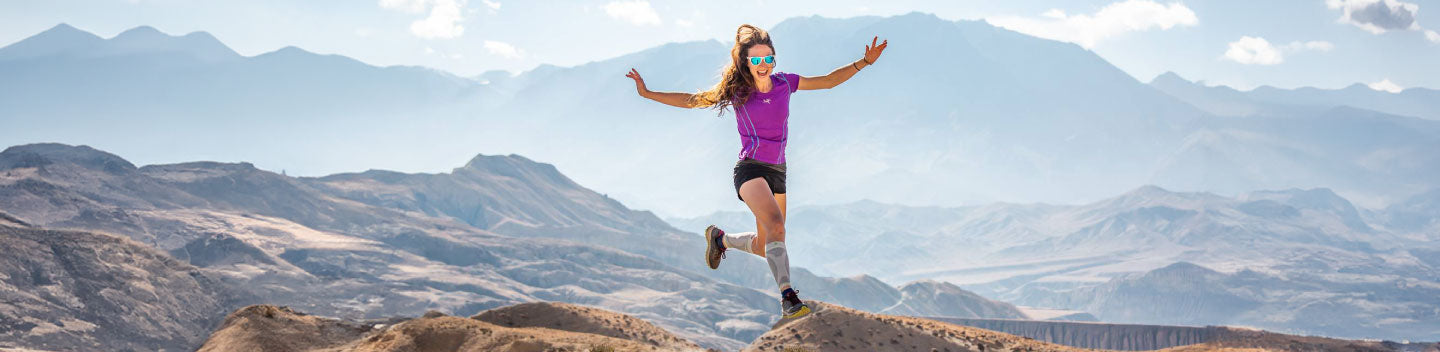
(750, 169)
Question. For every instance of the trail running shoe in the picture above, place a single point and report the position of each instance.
(791, 306)
(715, 247)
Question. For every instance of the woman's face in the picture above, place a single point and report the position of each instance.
(763, 69)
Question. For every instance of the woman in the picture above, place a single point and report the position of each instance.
(760, 97)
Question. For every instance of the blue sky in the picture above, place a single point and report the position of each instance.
(1241, 43)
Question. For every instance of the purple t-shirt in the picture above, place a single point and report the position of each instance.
(763, 120)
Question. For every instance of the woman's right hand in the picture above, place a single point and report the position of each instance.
(639, 82)
(681, 100)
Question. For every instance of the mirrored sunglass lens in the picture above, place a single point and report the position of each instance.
(754, 61)
(770, 59)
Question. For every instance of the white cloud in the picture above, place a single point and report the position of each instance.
(493, 5)
(1258, 51)
(1253, 51)
(1376, 16)
(1386, 86)
(1432, 36)
(503, 49)
(444, 19)
(1112, 20)
(636, 12)
(684, 23)
(443, 22)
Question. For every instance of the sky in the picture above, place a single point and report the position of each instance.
(1387, 44)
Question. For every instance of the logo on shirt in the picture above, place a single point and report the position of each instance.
(767, 100)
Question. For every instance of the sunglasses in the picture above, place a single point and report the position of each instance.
(755, 60)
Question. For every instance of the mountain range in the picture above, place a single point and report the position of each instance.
(379, 244)
(1303, 261)
(1225, 101)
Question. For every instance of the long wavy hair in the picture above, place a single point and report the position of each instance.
(736, 82)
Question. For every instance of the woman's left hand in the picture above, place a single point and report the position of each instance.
(872, 51)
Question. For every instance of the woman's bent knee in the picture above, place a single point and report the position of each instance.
(775, 233)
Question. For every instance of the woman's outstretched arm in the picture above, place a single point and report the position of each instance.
(683, 100)
(842, 74)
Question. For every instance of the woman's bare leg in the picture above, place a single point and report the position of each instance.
(759, 241)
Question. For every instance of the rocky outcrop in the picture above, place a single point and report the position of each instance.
(280, 329)
(6, 219)
(221, 249)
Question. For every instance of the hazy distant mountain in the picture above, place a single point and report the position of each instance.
(1218, 100)
(1222, 100)
(1116, 258)
(1419, 214)
(1418, 102)
(193, 93)
(1371, 157)
(1354, 302)
(934, 298)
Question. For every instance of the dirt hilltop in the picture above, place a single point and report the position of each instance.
(551, 326)
(836, 328)
(570, 317)
(536, 327)
(270, 328)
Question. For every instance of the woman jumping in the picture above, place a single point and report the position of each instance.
(760, 97)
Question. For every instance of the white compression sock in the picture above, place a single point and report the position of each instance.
(779, 263)
(740, 241)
